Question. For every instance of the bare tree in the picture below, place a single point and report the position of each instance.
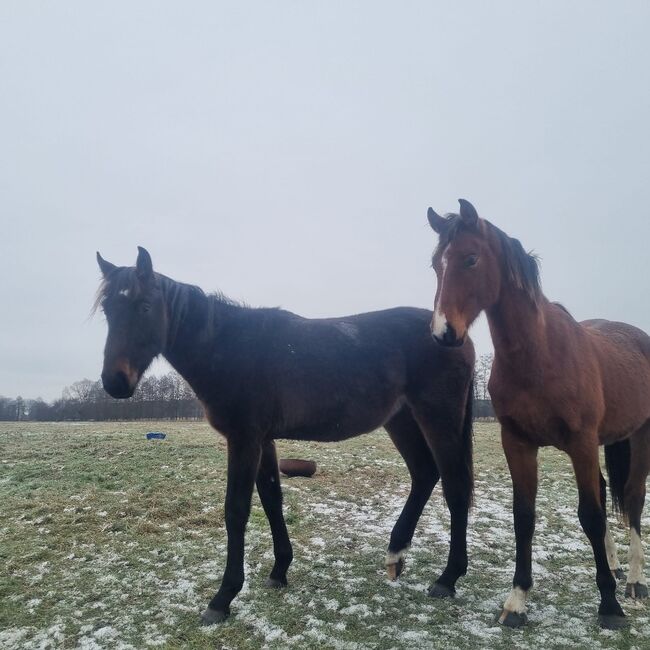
(482, 376)
(80, 391)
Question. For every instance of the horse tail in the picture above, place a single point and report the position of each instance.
(467, 440)
(617, 461)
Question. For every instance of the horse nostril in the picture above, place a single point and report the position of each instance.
(122, 380)
(117, 384)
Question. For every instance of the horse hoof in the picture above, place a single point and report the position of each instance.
(213, 616)
(619, 574)
(612, 621)
(513, 619)
(438, 590)
(636, 590)
(274, 583)
(395, 569)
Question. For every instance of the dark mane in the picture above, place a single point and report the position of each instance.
(521, 267)
(120, 279)
(177, 295)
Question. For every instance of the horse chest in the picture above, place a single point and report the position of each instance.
(540, 418)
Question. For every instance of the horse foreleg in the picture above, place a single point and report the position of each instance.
(243, 462)
(457, 489)
(268, 487)
(442, 431)
(522, 462)
(409, 441)
(593, 521)
(634, 500)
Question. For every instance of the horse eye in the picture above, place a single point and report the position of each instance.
(471, 261)
(145, 307)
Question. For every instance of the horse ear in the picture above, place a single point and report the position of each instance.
(435, 220)
(106, 267)
(143, 265)
(468, 213)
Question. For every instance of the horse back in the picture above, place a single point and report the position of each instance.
(623, 354)
(327, 379)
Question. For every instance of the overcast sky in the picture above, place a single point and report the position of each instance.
(286, 153)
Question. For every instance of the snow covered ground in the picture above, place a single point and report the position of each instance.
(112, 541)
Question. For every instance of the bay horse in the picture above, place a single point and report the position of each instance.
(264, 374)
(555, 381)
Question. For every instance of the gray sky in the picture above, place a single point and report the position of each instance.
(286, 153)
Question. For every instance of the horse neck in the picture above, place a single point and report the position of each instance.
(193, 324)
(518, 329)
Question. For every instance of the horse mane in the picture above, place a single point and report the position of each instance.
(119, 279)
(177, 296)
(521, 267)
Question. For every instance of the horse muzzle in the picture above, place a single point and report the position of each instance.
(121, 382)
(449, 338)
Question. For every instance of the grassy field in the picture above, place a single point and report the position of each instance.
(111, 541)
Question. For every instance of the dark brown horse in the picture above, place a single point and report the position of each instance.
(554, 382)
(264, 374)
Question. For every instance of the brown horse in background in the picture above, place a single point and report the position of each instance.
(554, 382)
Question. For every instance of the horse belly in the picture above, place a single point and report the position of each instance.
(348, 422)
(627, 403)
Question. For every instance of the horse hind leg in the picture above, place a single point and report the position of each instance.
(612, 554)
(409, 441)
(270, 492)
(634, 500)
(584, 457)
(610, 545)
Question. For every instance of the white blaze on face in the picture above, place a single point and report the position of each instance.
(516, 602)
(439, 325)
(636, 559)
(124, 292)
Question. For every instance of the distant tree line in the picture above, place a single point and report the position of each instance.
(157, 398)
(167, 397)
(482, 403)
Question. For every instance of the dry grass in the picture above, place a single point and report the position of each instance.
(109, 540)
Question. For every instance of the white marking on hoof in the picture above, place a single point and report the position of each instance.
(636, 559)
(394, 558)
(610, 548)
(516, 602)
